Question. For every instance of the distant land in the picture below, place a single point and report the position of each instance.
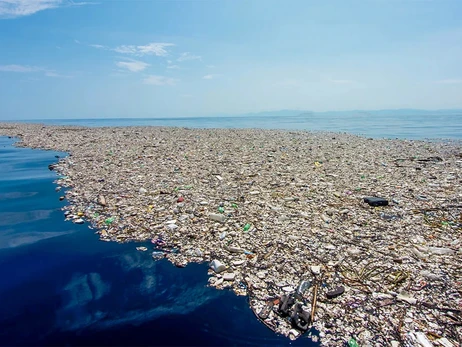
(273, 114)
(387, 112)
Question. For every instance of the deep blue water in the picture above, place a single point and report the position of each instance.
(394, 125)
(60, 285)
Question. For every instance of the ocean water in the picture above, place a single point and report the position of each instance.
(377, 125)
(60, 285)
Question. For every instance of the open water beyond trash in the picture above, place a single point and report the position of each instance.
(60, 285)
(402, 125)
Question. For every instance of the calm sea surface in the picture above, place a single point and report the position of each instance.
(60, 285)
(378, 126)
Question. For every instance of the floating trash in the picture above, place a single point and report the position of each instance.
(157, 255)
(356, 238)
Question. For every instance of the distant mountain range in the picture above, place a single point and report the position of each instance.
(399, 112)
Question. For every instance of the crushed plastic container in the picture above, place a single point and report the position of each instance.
(440, 250)
(217, 217)
(217, 266)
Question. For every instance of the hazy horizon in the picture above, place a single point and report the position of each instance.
(142, 59)
(276, 113)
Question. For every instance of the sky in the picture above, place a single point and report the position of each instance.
(154, 58)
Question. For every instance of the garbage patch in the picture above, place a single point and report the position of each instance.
(359, 239)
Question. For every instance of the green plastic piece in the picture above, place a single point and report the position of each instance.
(109, 220)
(221, 209)
(183, 188)
(246, 227)
(352, 343)
(233, 205)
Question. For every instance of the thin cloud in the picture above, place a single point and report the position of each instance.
(95, 46)
(188, 56)
(153, 48)
(133, 66)
(159, 80)
(30, 69)
(211, 77)
(173, 67)
(21, 8)
(73, 3)
(19, 68)
(450, 81)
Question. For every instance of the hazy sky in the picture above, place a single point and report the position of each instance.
(154, 58)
